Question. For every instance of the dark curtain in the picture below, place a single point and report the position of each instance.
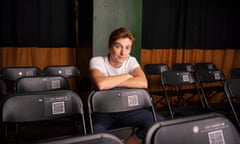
(37, 23)
(203, 24)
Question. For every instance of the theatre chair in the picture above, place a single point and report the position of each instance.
(211, 83)
(153, 73)
(41, 115)
(119, 100)
(235, 73)
(205, 65)
(208, 128)
(40, 83)
(232, 91)
(11, 74)
(185, 86)
(68, 71)
(184, 67)
(99, 138)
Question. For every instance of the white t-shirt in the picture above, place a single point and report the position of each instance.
(102, 64)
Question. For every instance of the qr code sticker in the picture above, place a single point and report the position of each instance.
(216, 137)
(58, 108)
(217, 76)
(55, 84)
(185, 78)
(68, 72)
(29, 73)
(132, 100)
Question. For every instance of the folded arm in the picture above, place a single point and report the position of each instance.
(135, 80)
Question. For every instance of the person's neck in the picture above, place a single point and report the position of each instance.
(114, 64)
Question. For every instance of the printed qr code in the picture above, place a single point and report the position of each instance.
(58, 108)
(216, 137)
(55, 84)
(132, 100)
(185, 78)
(217, 76)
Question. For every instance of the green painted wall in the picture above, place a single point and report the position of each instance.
(111, 14)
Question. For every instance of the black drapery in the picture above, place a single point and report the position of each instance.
(40, 23)
(204, 24)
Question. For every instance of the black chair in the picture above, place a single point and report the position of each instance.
(184, 67)
(64, 70)
(42, 115)
(205, 65)
(201, 129)
(40, 83)
(99, 138)
(235, 73)
(3, 88)
(185, 87)
(153, 73)
(11, 74)
(71, 72)
(232, 91)
(118, 100)
(211, 83)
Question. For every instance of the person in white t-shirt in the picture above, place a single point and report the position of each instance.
(120, 69)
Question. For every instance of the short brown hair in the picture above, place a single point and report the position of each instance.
(121, 32)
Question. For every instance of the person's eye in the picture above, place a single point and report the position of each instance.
(117, 46)
(128, 47)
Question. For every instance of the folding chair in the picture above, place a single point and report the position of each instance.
(3, 88)
(184, 67)
(64, 70)
(205, 65)
(11, 74)
(153, 73)
(118, 100)
(35, 115)
(232, 91)
(99, 138)
(211, 85)
(235, 73)
(183, 83)
(40, 83)
(71, 72)
(209, 128)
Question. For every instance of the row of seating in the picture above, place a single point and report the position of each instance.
(23, 110)
(52, 77)
(193, 89)
(48, 110)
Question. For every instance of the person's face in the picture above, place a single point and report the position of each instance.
(120, 50)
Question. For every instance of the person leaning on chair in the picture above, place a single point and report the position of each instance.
(119, 69)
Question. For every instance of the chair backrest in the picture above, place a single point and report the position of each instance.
(155, 69)
(205, 65)
(98, 138)
(41, 106)
(183, 67)
(210, 75)
(232, 90)
(119, 100)
(13, 73)
(64, 70)
(151, 70)
(177, 78)
(201, 129)
(40, 83)
(235, 73)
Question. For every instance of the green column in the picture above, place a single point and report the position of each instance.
(111, 14)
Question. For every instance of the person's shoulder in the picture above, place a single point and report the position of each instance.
(132, 58)
(98, 58)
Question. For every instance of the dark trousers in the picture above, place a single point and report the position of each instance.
(140, 119)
